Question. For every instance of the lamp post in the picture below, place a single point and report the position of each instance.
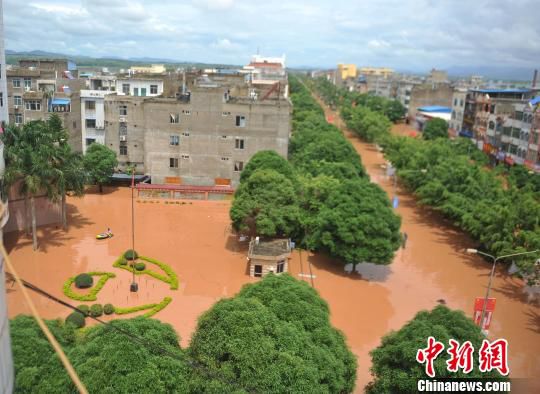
(495, 259)
(134, 287)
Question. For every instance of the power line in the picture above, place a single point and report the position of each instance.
(142, 341)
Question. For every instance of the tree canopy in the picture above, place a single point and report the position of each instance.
(435, 128)
(394, 366)
(268, 160)
(99, 163)
(274, 337)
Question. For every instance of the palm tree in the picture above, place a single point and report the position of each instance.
(69, 174)
(28, 152)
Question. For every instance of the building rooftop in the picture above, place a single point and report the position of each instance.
(501, 90)
(535, 100)
(435, 108)
(269, 247)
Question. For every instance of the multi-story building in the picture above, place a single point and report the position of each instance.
(383, 72)
(51, 68)
(404, 87)
(345, 71)
(152, 69)
(93, 117)
(532, 159)
(6, 361)
(33, 94)
(206, 134)
(455, 125)
(139, 86)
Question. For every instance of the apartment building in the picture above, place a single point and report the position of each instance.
(152, 69)
(33, 94)
(139, 86)
(204, 136)
(383, 72)
(455, 125)
(92, 117)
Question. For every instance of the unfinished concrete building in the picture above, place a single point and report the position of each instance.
(204, 135)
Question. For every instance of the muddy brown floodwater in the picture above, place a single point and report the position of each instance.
(196, 241)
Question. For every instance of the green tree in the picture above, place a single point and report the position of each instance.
(355, 222)
(99, 163)
(68, 165)
(29, 153)
(267, 159)
(435, 128)
(274, 336)
(394, 110)
(394, 366)
(266, 204)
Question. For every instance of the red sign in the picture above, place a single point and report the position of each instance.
(478, 307)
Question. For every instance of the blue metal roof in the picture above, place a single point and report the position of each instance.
(435, 108)
(535, 100)
(501, 90)
(60, 101)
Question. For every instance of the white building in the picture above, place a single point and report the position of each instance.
(93, 117)
(6, 362)
(455, 124)
(152, 69)
(139, 87)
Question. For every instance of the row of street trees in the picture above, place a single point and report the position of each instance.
(39, 161)
(450, 176)
(322, 197)
(274, 336)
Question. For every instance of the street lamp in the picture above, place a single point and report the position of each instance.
(495, 259)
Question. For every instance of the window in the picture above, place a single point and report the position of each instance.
(143, 91)
(240, 121)
(455, 102)
(280, 266)
(512, 149)
(27, 83)
(1, 99)
(225, 113)
(257, 271)
(461, 103)
(74, 124)
(90, 141)
(492, 109)
(224, 159)
(90, 123)
(16, 83)
(174, 118)
(518, 115)
(238, 166)
(123, 148)
(18, 119)
(122, 109)
(224, 137)
(175, 140)
(491, 124)
(173, 162)
(17, 100)
(185, 157)
(185, 133)
(239, 143)
(125, 88)
(90, 105)
(33, 105)
(186, 111)
(153, 89)
(122, 129)
(515, 132)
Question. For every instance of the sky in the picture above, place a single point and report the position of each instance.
(403, 34)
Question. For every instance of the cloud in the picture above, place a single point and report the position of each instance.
(411, 34)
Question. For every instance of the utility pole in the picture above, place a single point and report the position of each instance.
(134, 287)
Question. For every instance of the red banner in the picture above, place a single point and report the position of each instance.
(478, 307)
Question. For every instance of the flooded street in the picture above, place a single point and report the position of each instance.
(195, 240)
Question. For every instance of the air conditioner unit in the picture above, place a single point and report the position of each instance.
(16, 107)
(123, 138)
(122, 119)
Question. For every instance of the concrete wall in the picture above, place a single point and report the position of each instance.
(429, 94)
(46, 213)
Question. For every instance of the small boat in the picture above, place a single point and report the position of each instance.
(104, 235)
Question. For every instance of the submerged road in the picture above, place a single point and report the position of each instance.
(433, 267)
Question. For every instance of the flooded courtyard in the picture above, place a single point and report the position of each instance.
(195, 239)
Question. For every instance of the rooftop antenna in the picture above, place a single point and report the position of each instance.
(257, 51)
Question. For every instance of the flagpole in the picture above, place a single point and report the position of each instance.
(134, 287)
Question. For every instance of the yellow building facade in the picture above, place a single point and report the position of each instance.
(346, 71)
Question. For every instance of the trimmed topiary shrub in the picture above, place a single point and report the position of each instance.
(85, 309)
(122, 261)
(83, 281)
(77, 319)
(140, 266)
(108, 309)
(96, 310)
(131, 255)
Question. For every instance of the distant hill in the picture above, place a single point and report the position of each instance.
(12, 57)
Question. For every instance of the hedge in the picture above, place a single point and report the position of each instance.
(154, 308)
(92, 294)
(171, 279)
(77, 319)
(96, 310)
(83, 281)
